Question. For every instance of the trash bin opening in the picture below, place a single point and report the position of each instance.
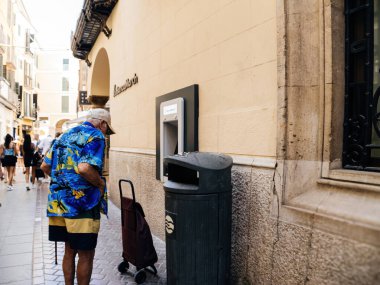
(182, 174)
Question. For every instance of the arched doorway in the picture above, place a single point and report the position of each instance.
(100, 92)
(100, 80)
(59, 126)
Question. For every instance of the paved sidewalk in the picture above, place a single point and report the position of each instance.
(17, 215)
(27, 257)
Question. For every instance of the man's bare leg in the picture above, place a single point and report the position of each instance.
(68, 264)
(85, 263)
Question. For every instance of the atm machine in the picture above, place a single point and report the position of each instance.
(176, 125)
(172, 130)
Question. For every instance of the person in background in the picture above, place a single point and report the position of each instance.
(57, 135)
(4, 169)
(9, 152)
(20, 160)
(77, 192)
(45, 144)
(28, 149)
(1, 170)
(36, 140)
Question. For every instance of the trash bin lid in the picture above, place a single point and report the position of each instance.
(201, 160)
(197, 173)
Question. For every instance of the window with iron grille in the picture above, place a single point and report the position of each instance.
(361, 143)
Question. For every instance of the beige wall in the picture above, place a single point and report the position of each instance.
(227, 47)
(49, 81)
(270, 79)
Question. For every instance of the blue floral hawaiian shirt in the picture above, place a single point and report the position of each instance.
(70, 194)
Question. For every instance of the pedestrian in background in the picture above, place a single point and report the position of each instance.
(9, 152)
(19, 143)
(45, 144)
(28, 149)
(78, 193)
(57, 135)
(1, 170)
(44, 147)
(36, 140)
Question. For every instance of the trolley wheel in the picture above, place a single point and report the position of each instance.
(140, 277)
(153, 270)
(123, 267)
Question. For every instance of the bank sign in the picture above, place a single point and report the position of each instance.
(128, 84)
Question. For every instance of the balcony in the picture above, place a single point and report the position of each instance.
(11, 59)
(91, 22)
(2, 42)
(28, 81)
(7, 96)
(4, 88)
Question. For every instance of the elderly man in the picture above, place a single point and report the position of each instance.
(77, 192)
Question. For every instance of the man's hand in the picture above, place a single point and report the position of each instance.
(88, 172)
(102, 188)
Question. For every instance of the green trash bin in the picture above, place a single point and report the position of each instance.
(198, 219)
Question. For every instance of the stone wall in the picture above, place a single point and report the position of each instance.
(141, 170)
(265, 249)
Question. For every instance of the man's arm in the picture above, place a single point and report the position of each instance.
(88, 172)
(46, 168)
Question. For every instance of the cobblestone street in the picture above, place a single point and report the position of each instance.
(27, 257)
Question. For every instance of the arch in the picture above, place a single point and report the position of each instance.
(59, 125)
(100, 80)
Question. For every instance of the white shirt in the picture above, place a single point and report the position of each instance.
(45, 144)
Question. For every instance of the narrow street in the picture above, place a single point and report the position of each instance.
(27, 256)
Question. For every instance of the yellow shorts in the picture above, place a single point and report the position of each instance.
(81, 232)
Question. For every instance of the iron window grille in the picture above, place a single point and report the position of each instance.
(361, 142)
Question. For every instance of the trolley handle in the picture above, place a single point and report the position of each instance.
(133, 196)
(132, 188)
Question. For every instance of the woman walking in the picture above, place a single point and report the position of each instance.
(8, 151)
(28, 149)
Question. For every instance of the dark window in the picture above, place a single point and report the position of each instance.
(1, 65)
(5, 71)
(35, 106)
(361, 144)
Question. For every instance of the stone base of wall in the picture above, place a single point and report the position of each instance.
(140, 169)
(265, 249)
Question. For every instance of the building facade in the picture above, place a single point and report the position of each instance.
(57, 80)
(8, 98)
(288, 89)
(26, 48)
(17, 78)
